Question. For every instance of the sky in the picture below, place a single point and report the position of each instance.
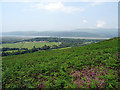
(58, 16)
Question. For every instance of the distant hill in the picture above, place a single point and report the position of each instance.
(108, 33)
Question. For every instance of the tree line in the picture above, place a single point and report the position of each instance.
(65, 42)
(34, 49)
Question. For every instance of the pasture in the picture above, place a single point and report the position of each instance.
(29, 45)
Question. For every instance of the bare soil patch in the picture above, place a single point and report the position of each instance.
(84, 78)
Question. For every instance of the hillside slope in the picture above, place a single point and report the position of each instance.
(91, 66)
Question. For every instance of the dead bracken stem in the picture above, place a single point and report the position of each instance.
(86, 77)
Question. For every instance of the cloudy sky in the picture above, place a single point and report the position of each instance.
(55, 16)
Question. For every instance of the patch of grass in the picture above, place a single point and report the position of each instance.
(29, 45)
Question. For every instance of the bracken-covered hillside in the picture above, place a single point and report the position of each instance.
(92, 66)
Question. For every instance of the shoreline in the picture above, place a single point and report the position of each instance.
(55, 37)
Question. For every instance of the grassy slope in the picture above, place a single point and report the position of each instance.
(64, 68)
(29, 44)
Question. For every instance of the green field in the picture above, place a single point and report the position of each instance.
(29, 45)
(92, 66)
(14, 51)
(61, 48)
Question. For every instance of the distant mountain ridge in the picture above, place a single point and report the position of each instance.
(76, 33)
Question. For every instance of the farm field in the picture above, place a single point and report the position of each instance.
(29, 45)
(13, 50)
(61, 48)
(92, 66)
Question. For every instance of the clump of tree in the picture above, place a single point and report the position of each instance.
(55, 47)
(34, 49)
(23, 50)
(7, 49)
(65, 42)
(45, 47)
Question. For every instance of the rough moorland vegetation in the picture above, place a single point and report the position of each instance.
(92, 66)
